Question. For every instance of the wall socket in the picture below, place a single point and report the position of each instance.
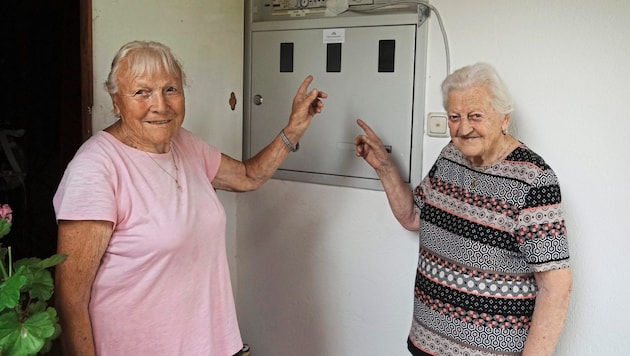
(437, 124)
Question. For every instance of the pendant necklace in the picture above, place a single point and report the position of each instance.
(174, 177)
(130, 142)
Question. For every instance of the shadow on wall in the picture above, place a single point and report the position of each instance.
(320, 265)
(286, 265)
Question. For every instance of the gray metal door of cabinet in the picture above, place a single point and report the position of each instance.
(384, 99)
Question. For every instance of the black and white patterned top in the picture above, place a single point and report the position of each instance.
(483, 234)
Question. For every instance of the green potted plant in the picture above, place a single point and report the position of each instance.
(27, 323)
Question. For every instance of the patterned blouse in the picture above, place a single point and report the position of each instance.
(484, 231)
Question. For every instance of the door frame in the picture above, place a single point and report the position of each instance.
(87, 89)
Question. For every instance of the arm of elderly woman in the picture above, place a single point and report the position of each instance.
(552, 304)
(234, 175)
(84, 242)
(399, 193)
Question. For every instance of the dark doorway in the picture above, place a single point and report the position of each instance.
(42, 117)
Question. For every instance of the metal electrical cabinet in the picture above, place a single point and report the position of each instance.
(371, 65)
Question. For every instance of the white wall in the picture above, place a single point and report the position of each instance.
(326, 270)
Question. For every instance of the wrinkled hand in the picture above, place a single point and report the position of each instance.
(306, 105)
(371, 148)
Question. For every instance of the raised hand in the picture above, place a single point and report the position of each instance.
(306, 105)
(371, 148)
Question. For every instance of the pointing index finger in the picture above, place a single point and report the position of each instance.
(307, 81)
(368, 130)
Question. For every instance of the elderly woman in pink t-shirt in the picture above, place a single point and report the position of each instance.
(141, 223)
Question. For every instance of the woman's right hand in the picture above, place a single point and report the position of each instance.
(399, 194)
(371, 148)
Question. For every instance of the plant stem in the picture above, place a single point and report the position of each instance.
(4, 271)
(10, 262)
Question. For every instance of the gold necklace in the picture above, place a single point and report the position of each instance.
(174, 177)
(126, 139)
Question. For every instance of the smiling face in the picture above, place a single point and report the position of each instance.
(151, 107)
(476, 127)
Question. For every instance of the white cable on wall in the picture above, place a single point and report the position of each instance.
(370, 8)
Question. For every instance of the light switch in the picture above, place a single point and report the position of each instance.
(437, 124)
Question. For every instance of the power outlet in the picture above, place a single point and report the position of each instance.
(437, 124)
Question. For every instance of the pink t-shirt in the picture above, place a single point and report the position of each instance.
(163, 286)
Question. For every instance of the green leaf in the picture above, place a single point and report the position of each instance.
(5, 227)
(28, 338)
(49, 341)
(40, 283)
(8, 325)
(36, 307)
(10, 289)
(31, 262)
(36, 263)
(53, 260)
(41, 325)
(52, 314)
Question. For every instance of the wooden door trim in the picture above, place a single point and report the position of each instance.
(87, 90)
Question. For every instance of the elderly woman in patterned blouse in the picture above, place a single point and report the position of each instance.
(493, 273)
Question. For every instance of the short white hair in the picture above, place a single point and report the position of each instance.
(477, 75)
(144, 57)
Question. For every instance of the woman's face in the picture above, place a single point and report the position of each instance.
(476, 127)
(151, 108)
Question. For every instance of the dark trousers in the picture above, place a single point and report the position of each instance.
(244, 351)
(415, 351)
